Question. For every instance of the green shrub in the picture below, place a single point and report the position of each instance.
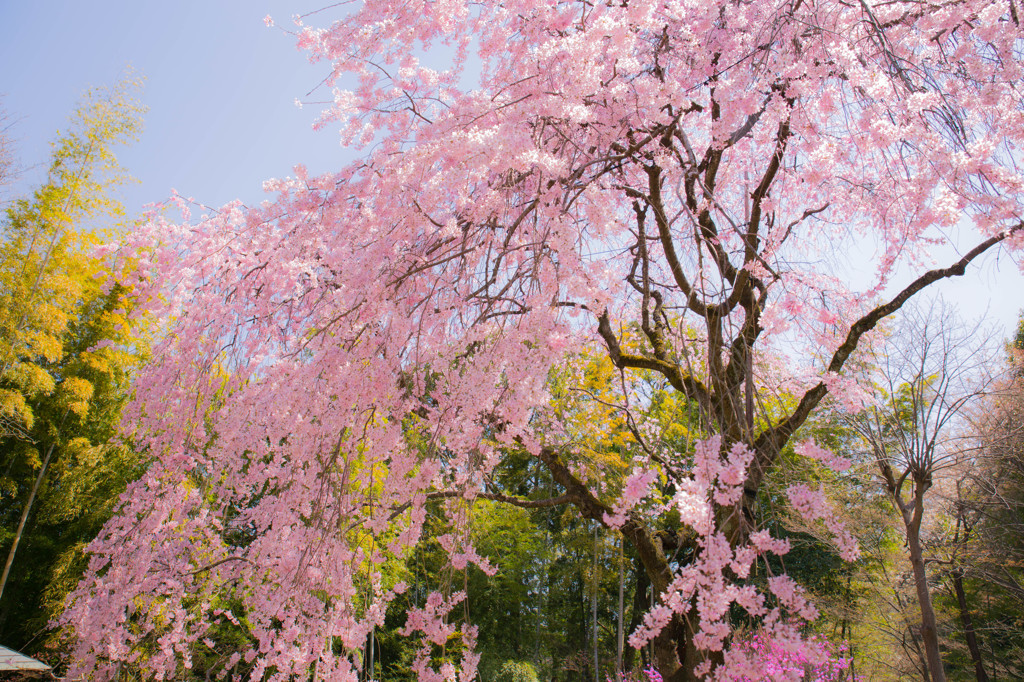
(516, 671)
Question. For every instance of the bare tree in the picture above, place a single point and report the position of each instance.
(933, 367)
(998, 499)
(989, 524)
(960, 548)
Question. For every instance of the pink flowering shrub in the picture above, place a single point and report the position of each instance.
(817, 660)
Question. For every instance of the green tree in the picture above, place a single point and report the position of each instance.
(66, 351)
(47, 273)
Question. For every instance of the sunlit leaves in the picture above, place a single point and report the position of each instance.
(67, 349)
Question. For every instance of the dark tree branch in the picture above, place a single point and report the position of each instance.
(772, 439)
(684, 383)
(507, 499)
(667, 245)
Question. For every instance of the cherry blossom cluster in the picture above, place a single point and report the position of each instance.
(431, 620)
(815, 660)
(716, 579)
(634, 490)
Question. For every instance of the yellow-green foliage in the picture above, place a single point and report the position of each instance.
(48, 273)
(517, 671)
(67, 350)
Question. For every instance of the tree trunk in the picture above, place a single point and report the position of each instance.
(370, 673)
(929, 627)
(965, 618)
(915, 649)
(24, 518)
(846, 632)
(593, 608)
(542, 596)
(640, 606)
(674, 655)
(622, 587)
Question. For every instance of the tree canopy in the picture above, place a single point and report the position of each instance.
(66, 351)
(668, 183)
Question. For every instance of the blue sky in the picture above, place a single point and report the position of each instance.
(221, 89)
(220, 86)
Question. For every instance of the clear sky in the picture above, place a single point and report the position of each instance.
(221, 89)
(220, 86)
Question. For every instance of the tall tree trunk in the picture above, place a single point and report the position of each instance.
(965, 618)
(929, 626)
(593, 608)
(686, 650)
(640, 606)
(542, 595)
(622, 586)
(24, 517)
(371, 644)
(674, 654)
(847, 635)
(915, 649)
